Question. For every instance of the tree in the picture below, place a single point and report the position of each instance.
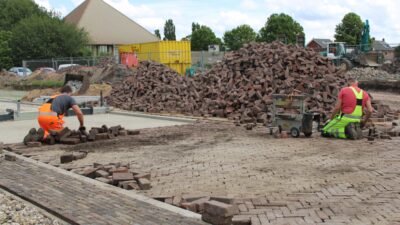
(13, 11)
(242, 34)
(5, 50)
(157, 33)
(350, 29)
(195, 26)
(280, 27)
(48, 37)
(169, 31)
(202, 38)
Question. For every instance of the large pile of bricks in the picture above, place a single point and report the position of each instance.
(242, 84)
(240, 87)
(393, 67)
(155, 88)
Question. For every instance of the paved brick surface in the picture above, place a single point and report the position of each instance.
(280, 181)
(80, 201)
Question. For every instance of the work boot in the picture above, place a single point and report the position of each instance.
(40, 135)
(31, 136)
(351, 132)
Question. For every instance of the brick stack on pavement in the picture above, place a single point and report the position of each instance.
(117, 174)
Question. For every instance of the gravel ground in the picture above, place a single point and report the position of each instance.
(16, 212)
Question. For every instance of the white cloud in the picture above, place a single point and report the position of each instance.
(44, 3)
(249, 4)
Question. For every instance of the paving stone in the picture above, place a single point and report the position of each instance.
(118, 177)
(33, 144)
(66, 158)
(143, 175)
(104, 180)
(101, 136)
(241, 220)
(70, 141)
(79, 155)
(220, 209)
(102, 173)
(133, 132)
(144, 183)
(9, 157)
(90, 172)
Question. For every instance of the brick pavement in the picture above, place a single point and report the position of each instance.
(79, 201)
(278, 181)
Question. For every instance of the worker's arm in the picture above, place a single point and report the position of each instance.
(368, 113)
(337, 108)
(78, 114)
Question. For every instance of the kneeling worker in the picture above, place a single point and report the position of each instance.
(348, 112)
(52, 112)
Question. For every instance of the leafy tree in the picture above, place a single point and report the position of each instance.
(280, 27)
(350, 29)
(202, 38)
(13, 11)
(195, 26)
(5, 50)
(242, 34)
(397, 51)
(48, 37)
(169, 30)
(157, 33)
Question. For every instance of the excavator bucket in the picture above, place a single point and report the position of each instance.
(371, 59)
(79, 83)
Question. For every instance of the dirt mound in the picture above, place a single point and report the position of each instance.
(364, 74)
(154, 87)
(41, 75)
(7, 79)
(393, 68)
(111, 73)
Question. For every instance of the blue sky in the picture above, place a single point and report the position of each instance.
(318, 17)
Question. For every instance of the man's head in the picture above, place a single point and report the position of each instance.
(352, 81)
(66, 90)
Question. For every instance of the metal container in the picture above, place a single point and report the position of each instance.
(175, 54)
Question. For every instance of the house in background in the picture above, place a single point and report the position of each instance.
(319, 44)
(383, 47)
(107, 27)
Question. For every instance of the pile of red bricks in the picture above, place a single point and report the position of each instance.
(73, 137)
(240, 87)
(117, 174)
(155, 88)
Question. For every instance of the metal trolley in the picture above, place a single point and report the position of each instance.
(289, 114)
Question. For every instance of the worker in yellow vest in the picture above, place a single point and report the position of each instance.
(347, 116)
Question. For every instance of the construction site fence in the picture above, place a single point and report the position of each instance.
(56, 62)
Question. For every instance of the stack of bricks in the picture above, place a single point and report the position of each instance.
(73, 137)
(117, 174)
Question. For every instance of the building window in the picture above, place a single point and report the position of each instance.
(103, 49)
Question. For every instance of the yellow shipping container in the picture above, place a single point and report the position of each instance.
(175, 54)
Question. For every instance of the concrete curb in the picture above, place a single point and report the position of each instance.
(158, 117)
(107, 187)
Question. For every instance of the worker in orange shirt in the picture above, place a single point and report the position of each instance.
(52, 112)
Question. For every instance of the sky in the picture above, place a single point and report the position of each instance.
(318, 17)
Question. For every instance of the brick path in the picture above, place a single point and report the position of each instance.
(81, 202)
(281, 181)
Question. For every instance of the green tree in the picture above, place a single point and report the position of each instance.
(350, 29)
(202, 38)
(157, 33)
(397, 51)
(242, 34)
(169, 31)
(5, 50)
(195, 26)
(48, 37)
(280, 27)
(13, 11)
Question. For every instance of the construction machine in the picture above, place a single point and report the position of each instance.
(347, 57)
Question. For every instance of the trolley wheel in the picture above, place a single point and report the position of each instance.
(295, 132)
(308, 134)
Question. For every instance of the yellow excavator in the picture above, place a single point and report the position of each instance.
(349, 56)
